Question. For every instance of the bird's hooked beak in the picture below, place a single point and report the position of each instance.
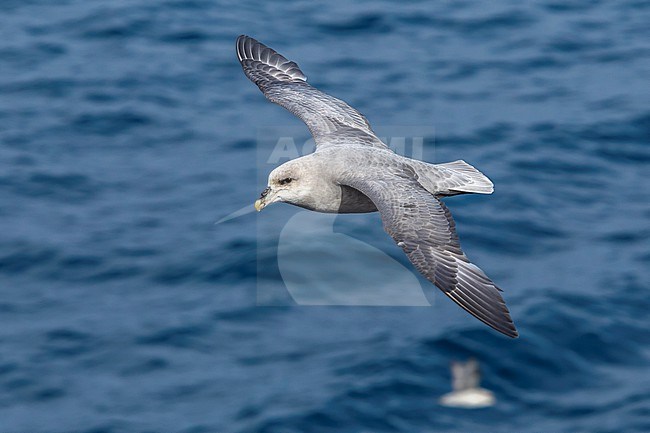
(265, 199)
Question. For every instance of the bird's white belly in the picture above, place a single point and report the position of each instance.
(472, 398)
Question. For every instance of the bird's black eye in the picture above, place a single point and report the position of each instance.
(285, 181)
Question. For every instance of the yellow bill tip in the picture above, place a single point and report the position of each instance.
(258, 205)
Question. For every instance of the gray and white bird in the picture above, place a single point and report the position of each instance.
(467, 393)
(353, 171)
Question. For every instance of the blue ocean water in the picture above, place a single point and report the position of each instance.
(127, 129)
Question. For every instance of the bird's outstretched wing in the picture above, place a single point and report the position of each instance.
(423, 227)
(330, 120)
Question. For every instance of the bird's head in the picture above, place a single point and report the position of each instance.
(288, 183)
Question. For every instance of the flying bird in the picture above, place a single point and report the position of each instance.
(353, 171)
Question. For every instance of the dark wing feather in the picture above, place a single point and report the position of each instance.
(283, 83)
(424, 228)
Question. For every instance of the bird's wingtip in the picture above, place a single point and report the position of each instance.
(512, 333)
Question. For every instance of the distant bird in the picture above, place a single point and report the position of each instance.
(466, 391)
(353, 171)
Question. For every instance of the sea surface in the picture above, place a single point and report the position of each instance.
(127, 130)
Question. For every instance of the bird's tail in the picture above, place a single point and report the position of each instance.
(475, 181)
(452, 178)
